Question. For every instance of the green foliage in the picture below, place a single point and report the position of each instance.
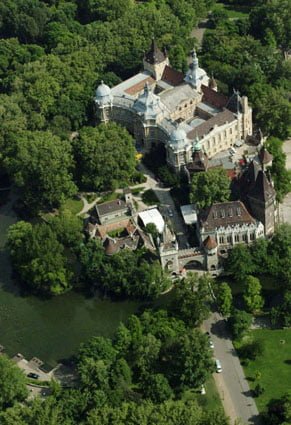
(252, 350)
(149, 197)
(239, 262)
(282, 177)
(252, 294)
(151, 228)
(105, 157)
(224, 299)
(12, 383)
(40, 164)
(192, 299)
(38, 258)
(209, 187)
(240, 322)
(244, 54)
(127, 273)
(279, 411)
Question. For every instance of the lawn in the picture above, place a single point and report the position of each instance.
(274, 365)
(210, 400)
(74, 205)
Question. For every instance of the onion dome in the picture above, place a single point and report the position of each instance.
(103, 95)
(210, 243)
(178, 138)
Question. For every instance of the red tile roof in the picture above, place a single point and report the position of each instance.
(172, 76)
(136, 88)
(213, 97)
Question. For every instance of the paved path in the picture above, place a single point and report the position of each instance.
(232, 385)
(166, 200)
(86, 205)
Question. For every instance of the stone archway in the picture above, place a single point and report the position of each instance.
(194, 265)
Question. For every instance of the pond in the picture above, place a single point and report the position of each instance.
(50, 329)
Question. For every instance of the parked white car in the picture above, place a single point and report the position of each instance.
(218, 366)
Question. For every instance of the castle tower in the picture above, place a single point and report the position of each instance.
(155, 61)
(262, 201)
(196, 76)
(210, 248)
(168, 251)
(103, 101)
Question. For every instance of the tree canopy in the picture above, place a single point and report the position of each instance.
(209, 187)
(105, 157)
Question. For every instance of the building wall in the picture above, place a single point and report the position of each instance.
(156, 70)
(114, 215)
(265, 212)
(233, 235)
(185, 109)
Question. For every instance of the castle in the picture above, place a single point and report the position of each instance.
(194, 122)
(183, 112)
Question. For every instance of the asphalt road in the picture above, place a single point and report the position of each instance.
(231, 383)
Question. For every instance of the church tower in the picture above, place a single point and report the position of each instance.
(155, 61)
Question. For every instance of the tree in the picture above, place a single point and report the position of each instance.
(157, 388)
(209, 187)
(151, 228)
(12, 383)
(252, 294)
(39, 258)
(224, 299)
(40, 165)
(68, 228)
(239, 262)
(188, 360)
(105, 157)
(192, 299)
(239, 321)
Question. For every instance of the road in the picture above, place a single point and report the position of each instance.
(166, 200)
(231, 383)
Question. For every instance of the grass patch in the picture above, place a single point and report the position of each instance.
(117, 233)
(274, 365)
(208, 401)
(38, 382)
(137, 190)
(150, 198)
(111, 196)
(233, 11)
(74, 205)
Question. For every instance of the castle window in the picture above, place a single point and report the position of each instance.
(191, 101)
(180, 109)
(229, 239)
(186, 105)
(236, 238)
(222, 213)
(252, 236)
(230, 130)
(244, 238)
(238, 211)
(230, 212)
(221, 239)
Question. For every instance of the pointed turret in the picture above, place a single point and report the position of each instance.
(212, 83)
(155, 61)
(196, 76)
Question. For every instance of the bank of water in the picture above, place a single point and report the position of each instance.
(50, 329)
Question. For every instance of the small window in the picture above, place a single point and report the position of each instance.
(244, 238)
(228, 239)
(236, 238)
(221, 239)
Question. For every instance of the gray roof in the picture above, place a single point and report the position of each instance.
(111, 206)
(219, 119)
(173, 97)
(225, 214)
